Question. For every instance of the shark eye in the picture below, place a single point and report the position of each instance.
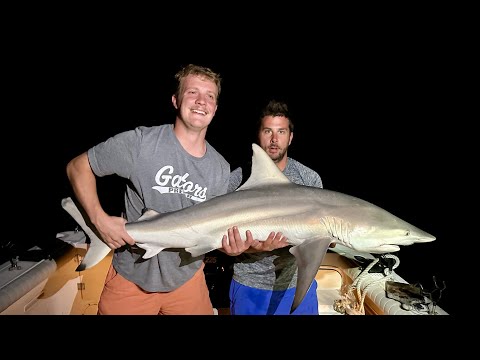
(407, 233)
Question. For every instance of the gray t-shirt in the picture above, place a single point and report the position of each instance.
(163, 177)
(277, 269)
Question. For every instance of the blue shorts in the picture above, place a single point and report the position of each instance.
(245, 300)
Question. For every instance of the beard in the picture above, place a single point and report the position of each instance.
(279, 155)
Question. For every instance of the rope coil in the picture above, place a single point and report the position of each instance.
(353, 295)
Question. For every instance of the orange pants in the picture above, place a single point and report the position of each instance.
(122, 297)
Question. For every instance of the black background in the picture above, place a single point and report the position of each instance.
(373, 115)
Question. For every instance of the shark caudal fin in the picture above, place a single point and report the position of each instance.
(309, 256)
(97, 249)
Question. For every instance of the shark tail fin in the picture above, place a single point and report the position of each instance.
(97, 249)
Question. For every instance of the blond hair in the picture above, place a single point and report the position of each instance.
(203, 72)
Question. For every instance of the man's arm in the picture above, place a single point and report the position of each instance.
(84, 185)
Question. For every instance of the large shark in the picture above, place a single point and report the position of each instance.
(311, 218)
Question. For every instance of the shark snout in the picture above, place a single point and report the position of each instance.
(412, 240)
(426, 238)
(421, 236)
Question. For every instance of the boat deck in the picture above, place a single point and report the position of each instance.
(60, 290)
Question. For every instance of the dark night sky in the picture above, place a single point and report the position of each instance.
(368, 119)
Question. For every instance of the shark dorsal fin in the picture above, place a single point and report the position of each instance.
(264, 171)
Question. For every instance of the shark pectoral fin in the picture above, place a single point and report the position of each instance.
(97, 249)
(309, 256)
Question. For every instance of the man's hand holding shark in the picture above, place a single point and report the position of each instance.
(233, 245)
(112, 231)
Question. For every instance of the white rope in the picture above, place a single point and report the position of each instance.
(354, 304)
